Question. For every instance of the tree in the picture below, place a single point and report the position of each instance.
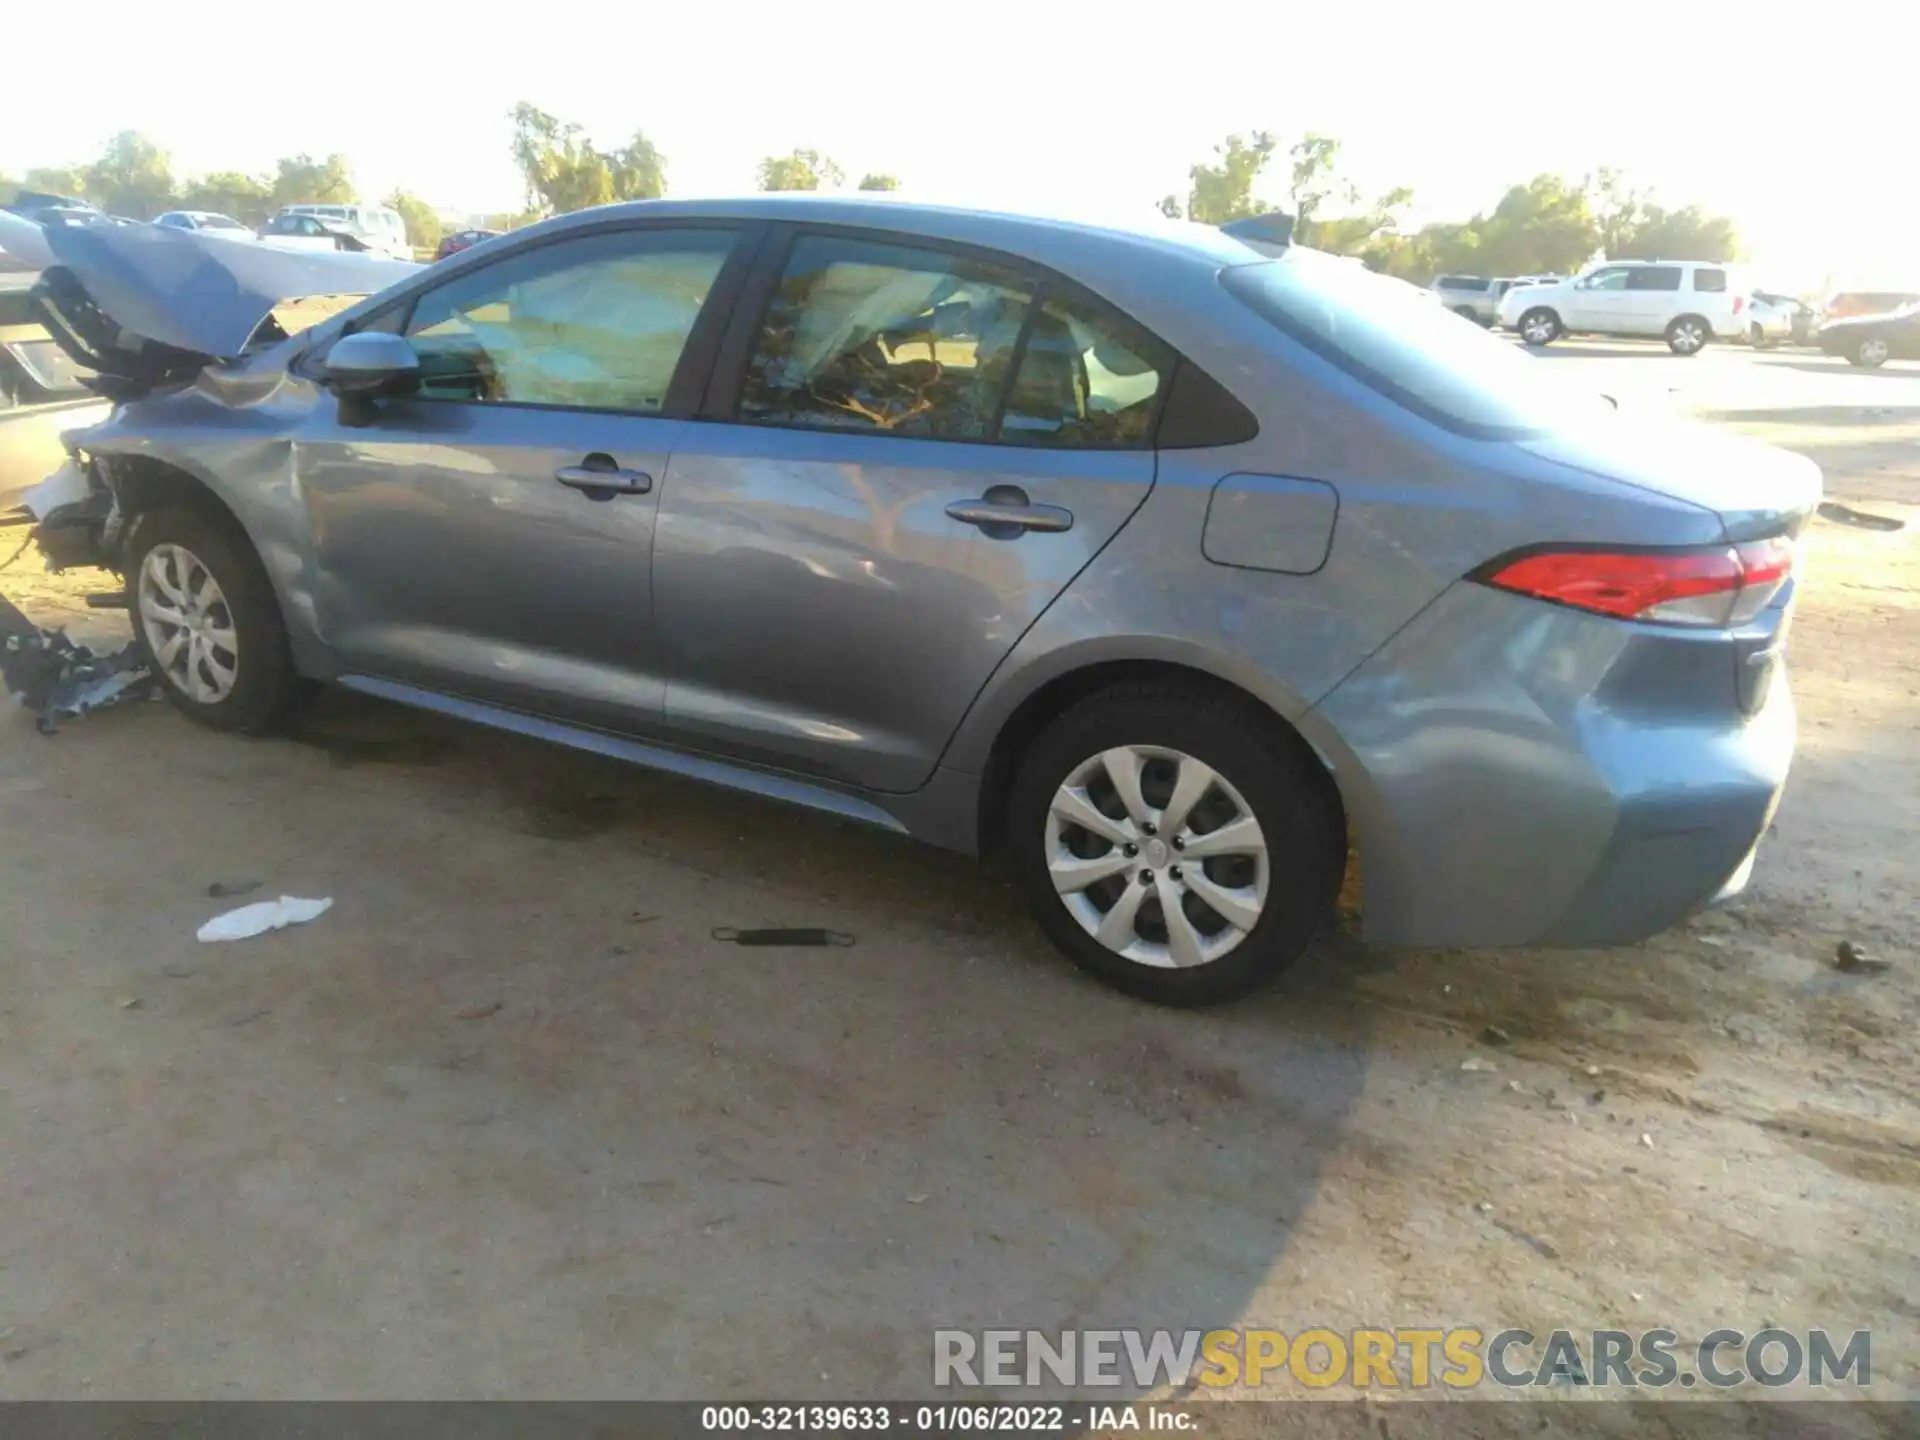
(424, 226)
(639, 170)
(1618, 209)
(68, 180)
(1312, 181)
(131, 177)
(874, 181)
(1224, 191)
(227, 192)
(1685, 234)
(562, 170)
(303, 180)
(802, 170)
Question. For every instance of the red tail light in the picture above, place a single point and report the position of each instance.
(1739, 303)
(1718, 587)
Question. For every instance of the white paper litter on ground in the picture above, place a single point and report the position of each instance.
(262, 916)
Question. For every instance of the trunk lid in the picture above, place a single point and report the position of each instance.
(1756, 489)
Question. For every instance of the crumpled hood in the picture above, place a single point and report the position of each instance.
(199, 292)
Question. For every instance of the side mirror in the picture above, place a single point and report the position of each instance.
(372, 363)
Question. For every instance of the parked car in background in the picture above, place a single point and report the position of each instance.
(212, 223)
(1845, 304)
(43, 392)
(462, 240)
(378, 227)
(1802, 318)
(1769, 322)
(1154, 560)
(1470, 296)
(1872, 340)
(287, 231)
(1689, 302)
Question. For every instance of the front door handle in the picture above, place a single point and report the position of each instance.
(601, 477)
(1004, 512)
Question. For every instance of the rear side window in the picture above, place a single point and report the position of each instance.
(1654, 277)
(889, 338)
(1088, 379)
(1408, 349)
(595, 323)
(1462, 282)
(1711, 281)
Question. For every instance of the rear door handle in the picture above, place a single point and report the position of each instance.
(1005, 510)
(601, 477)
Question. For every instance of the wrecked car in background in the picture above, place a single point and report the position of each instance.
(43, 391)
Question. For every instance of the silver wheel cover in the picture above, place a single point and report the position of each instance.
(188, 624)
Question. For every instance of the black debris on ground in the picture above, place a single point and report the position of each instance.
(57, 679)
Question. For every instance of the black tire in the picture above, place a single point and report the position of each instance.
(1275, 774)
(1540, 326)
(1466, 312)
(1681, 333)
(265, 686)
(1870, 353)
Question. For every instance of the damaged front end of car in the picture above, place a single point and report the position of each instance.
(167, 323)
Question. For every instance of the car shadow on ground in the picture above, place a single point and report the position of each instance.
(944, 1125)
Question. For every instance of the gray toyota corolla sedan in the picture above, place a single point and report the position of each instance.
(1173, 568)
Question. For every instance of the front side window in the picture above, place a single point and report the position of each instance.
(598, 322)
(1614, 279)
(1654, 277)
(1088, 379)
(862, 335)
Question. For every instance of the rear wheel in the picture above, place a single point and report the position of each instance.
(1466, 312)
(205, 615)
(1872, 352)
(1539, 326)
(1688, 335)
(1173, 843)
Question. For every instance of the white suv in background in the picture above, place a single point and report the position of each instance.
(1688, 302)
(379, 228)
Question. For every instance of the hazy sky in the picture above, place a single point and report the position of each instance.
(1802, 126)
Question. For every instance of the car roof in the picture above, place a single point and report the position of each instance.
(1047, 239)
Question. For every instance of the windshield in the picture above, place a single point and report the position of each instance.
(1424, 358)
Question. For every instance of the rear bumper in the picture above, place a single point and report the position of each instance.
(1521, 774)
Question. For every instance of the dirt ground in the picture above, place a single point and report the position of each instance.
(509, 1122)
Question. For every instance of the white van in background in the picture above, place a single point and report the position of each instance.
(381, 228)
(1689, 302)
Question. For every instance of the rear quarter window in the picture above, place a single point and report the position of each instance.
(1415, 353)
(1711, 281)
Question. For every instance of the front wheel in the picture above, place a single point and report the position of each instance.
(206, 618)
(1871, 353)
(1539, 326)
(1174, 843)
(1688, 335)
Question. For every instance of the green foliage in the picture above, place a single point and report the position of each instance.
(1223, 191)
(424, 226)
(1313, 181)
(303, 180)
(131, 177)
(873, 181)
(639, 170)
(802, 170)
(227, 192)
(1685, 234)
(57, 180)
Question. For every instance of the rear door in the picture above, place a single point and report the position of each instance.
(1652, 298)
(909, 451)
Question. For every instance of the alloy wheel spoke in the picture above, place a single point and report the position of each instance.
(1123, 769)
(1239, 908)
(1071, 804)
(1189, 786)
(170, 648)
(1184, 941)
(1072, 874)
(1237, 837)
(1116, 926)
(155, 609)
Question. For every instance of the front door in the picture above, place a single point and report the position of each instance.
(1599, 301)
(918, 453)
(491, 536)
